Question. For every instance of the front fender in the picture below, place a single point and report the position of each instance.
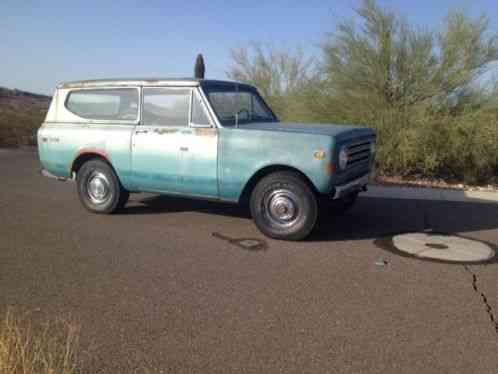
(244, 153)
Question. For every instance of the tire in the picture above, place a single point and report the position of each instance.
(283, 206)
(99, 188)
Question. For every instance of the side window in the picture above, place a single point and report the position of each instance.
(104, 104)
(199, 116)
(165, 106)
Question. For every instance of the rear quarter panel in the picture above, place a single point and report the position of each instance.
(60, 145)
(63, 137)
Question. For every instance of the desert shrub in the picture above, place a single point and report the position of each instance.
(18, 126)
(461, 147)
(20, 117)
(472, 151)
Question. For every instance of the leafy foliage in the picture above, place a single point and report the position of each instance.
(389, 64)
(280, 75)
(406, 82)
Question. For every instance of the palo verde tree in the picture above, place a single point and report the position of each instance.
(378, 70)
(385, 73)
(279, 74)
(383, 62)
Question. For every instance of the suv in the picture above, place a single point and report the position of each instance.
(205, 139)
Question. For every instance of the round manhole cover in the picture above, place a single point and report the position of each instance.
(442, 247)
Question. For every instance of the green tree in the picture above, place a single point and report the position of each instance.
(384, 63)
(398, 78)
(382, 72)
(280, 75)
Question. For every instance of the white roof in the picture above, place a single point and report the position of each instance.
(120, 82)
(133, 82)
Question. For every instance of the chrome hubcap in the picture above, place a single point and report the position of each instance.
(98, 188)
(281, 207)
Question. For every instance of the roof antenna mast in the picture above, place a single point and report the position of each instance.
(199, 69)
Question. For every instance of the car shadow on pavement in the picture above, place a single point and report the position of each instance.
(370, 218)
(158, 204)
(373, 218)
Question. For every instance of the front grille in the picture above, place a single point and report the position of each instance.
(359, 152)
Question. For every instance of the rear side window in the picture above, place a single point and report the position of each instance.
(104, 104)
(165, 106)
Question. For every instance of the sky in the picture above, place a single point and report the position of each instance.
(47, 42)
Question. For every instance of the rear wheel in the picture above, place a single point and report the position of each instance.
(99, 188)
(283, 206)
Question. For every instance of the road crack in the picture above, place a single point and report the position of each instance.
(487, 305)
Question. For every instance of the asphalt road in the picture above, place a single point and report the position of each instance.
(153, 287)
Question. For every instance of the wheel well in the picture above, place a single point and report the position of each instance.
(81, 159)
(246, 192)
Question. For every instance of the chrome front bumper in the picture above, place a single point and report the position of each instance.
(356, 185)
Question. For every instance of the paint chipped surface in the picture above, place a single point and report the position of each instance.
(165, 130)
(208, 132)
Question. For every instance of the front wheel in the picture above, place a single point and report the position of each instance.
(99, 188)
(283, 206)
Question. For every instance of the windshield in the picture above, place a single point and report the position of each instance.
(236, 106)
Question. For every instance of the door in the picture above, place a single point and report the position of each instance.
(199, 152)
(157, 139)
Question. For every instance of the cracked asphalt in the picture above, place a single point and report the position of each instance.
(152, 287)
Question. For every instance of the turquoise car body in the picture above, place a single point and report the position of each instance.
(213, 162)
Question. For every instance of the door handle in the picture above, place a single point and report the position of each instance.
(184, 149)
(141, 131)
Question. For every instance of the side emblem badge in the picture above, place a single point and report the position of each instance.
(319, 155)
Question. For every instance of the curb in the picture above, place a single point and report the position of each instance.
(414, 193)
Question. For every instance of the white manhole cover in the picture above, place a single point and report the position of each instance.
(443, 247)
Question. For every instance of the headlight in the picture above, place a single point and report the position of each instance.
(343, 158)
(372, 148)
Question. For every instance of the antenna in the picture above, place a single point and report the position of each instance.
(199, 69)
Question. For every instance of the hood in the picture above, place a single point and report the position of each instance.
(340, 132)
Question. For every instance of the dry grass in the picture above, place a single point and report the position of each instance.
(50, 347)
(21, 114)
(19, 122)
